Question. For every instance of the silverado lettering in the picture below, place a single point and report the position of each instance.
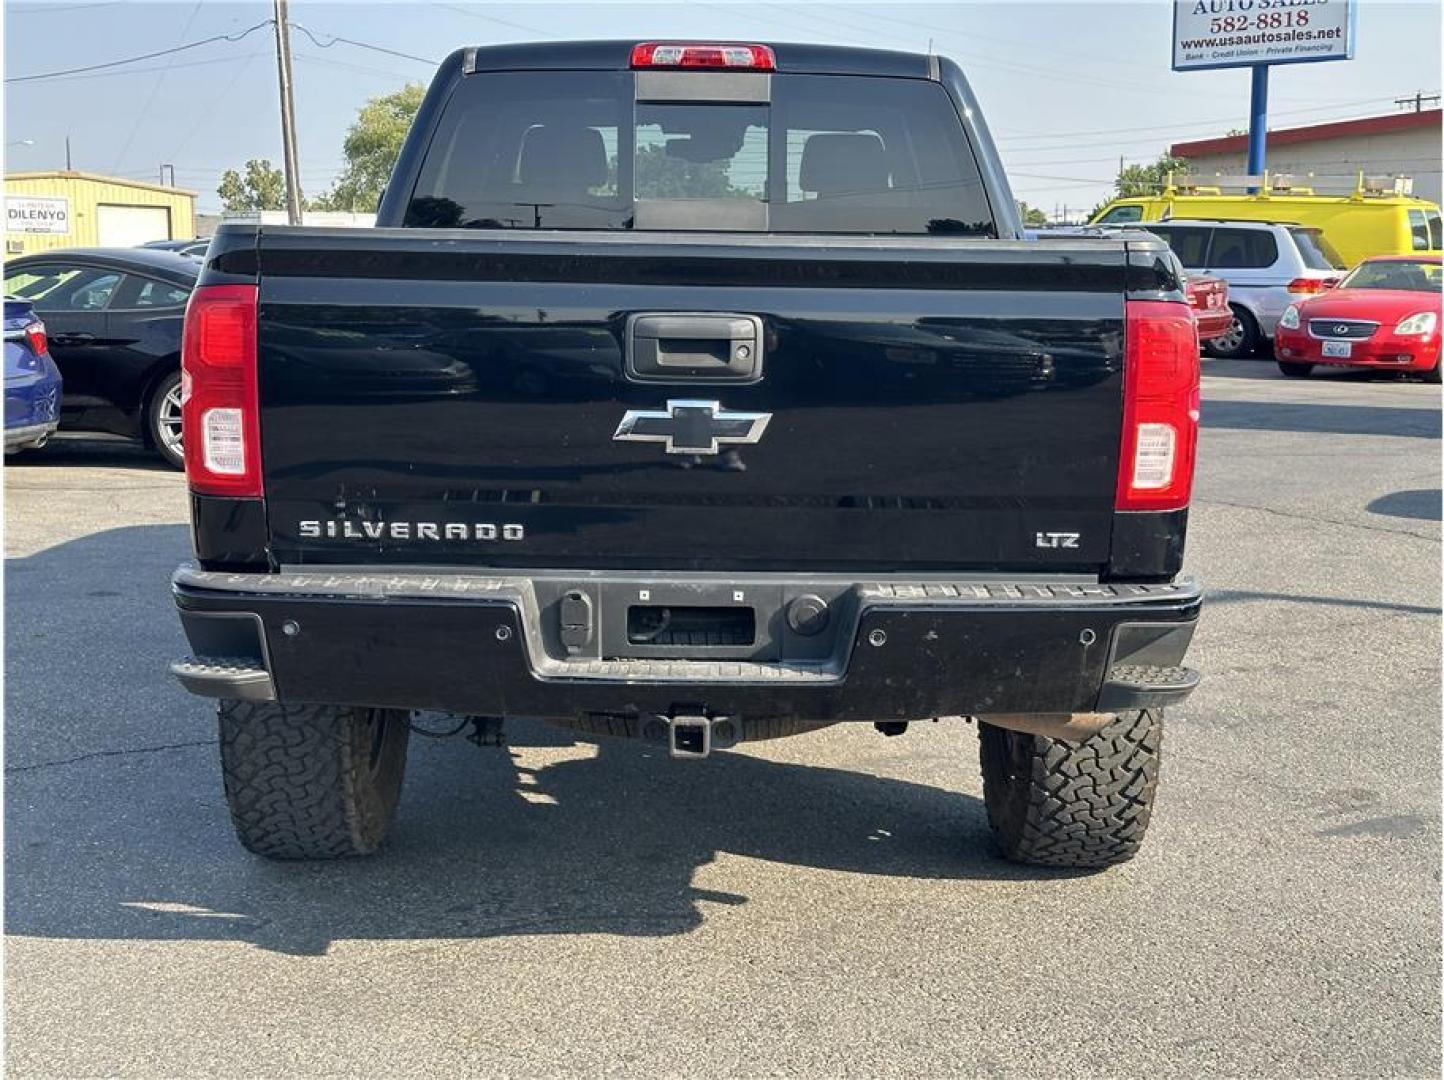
(406, 530)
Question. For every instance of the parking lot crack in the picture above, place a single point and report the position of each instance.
(1296, 516)
(98, 754)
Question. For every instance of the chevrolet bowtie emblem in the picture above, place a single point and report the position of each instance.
(692, 427)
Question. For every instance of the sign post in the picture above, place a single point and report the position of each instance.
(1257, 34)
(1258, 120)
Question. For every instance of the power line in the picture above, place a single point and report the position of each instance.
(204, 116)
(47, 9)
(1012, 43)
(1160, 127)
(157, 67)
(144, 56)
(982, 61)
(494, 19)
(335, 38)
(155, 88)
(344, 65)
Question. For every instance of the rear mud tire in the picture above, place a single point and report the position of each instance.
(1083, 804)
(311, 781)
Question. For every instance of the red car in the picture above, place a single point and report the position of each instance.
(1208, 296)
(1385, 314)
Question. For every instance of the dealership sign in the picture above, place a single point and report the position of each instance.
(37, 215)
(1242, 33)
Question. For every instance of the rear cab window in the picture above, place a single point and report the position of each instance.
(588, 150)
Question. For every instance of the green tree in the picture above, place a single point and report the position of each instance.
(263, 187)
(1134, 180)
(372, 146)
(1147, 179)
(1033, 218)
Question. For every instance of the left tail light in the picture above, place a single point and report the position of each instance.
(220, 410)
(36, 339)
(1160, 406)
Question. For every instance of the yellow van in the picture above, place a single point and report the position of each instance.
(1361, 224)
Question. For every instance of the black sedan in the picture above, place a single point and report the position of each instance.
(114, 318)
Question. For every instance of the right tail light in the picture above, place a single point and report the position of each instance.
(1160, 406)
(220, 411)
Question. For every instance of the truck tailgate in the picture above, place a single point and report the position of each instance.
(455, 397)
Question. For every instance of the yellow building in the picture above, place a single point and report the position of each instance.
(45, 210)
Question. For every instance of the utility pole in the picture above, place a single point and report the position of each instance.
(1417, 101)
(288, 115)
(67, 152)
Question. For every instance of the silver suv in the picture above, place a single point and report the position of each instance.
(1267, 266)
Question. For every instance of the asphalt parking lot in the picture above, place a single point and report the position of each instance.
(823, 905)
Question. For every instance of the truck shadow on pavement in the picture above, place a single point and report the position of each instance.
(117, 827)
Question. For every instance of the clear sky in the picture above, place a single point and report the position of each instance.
(1067, 87)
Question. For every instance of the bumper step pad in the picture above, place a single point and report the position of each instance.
(225, 677)
(1129, 687)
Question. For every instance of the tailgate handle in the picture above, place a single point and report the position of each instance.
(694, 348)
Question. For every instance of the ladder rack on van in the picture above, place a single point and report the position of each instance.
(1269, 184)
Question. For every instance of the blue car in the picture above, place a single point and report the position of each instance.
(32, 381)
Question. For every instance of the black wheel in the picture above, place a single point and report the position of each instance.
(1083, 804)
(1240, 340)
(1295, 371)
(311, 781)
(1433, 375)
(163, 420)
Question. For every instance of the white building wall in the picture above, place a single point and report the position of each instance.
(1337, 162)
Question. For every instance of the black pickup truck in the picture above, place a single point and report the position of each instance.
(696, 393)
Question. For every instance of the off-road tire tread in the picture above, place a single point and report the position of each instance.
(1084, 804)
(297, 782)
